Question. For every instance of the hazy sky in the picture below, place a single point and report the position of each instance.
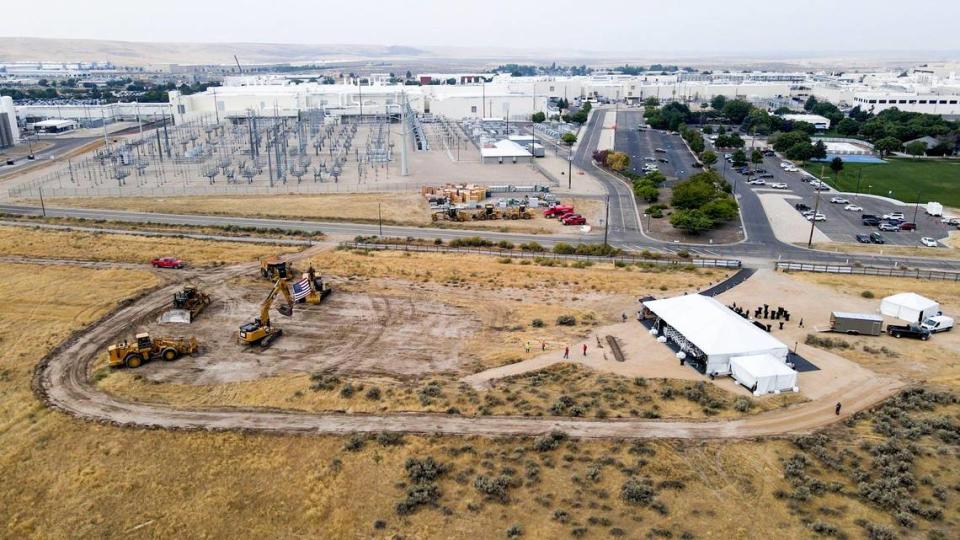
(632, 26)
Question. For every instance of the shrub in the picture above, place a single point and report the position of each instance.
(373, 393)
(867, 294)
(416, 496)
(388, 438)
(347, 391)
(355, 442)
(537, 323)
(566, 320)
(742, 404)
(494, 488)
(505, 244)
(550, 441)
(425, 470)
(532, 246)
(515, 531)
(563, 248)
(637, 491)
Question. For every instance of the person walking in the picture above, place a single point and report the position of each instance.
(543, 346)
(566, 352)
(527, 347)
(837, 409)
(584, 349)
(801, 322)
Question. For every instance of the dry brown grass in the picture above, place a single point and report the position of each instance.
(28, 242)
(558, 390)
(396, 208)
(68, 478)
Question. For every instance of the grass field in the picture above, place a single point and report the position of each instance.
(907, 179)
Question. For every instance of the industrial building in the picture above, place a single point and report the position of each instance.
(817, 121)
(9, 132)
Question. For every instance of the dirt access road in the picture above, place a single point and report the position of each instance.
(62, 380)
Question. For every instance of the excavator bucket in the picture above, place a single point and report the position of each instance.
(285, 310)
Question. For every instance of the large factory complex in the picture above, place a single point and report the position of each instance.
(926, 89)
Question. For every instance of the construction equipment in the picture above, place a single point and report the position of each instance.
(450, 214)
(517, 212)
(187, 304)
(274, 268)
(318, 289)
(260, 331)
(488, 212)
(133, 355)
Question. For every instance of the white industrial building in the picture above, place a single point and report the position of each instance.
(9, 132)
(819, 122)
(504, 151)
(715, 340)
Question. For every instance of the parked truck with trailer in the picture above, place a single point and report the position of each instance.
(914, 331)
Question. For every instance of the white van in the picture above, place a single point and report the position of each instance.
(938, 323)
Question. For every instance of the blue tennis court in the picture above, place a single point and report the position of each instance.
(850, 159)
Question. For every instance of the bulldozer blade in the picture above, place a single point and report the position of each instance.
(176, 316)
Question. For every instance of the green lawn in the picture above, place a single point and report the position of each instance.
(908, 179)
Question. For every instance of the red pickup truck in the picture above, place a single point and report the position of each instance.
(574, 219)
(558, 210)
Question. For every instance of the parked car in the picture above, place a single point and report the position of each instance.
(938, 323)
(877, 238)
(929, 242)
(908, 330)
(765, 175)
(894, 215)
(663, 160)
(167, 262)
(853, 208)
(839, 200)
(650, 159)
(660, 150)
(908, 226)
(817, 217)
(558, 210)
(888, 227)
(801, 207)
(575, 219)
(760, 171)
(757, 182)
(697, 165)
(779, 185)
(769, 153)
(870, 221)
(863, 238)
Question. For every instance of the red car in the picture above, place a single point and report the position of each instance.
(167, 262)
(908, 226)
(575, 219)
(557, 211)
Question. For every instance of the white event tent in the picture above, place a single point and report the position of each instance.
(910, 307)
(763, 374)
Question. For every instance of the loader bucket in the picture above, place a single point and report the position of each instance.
(176, 316)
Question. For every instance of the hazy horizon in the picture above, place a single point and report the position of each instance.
(741, 27)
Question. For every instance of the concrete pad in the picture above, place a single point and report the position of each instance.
(788, 225)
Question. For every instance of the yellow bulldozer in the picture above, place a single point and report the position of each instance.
(259, 331)
(274, 268)
(318, 289)
(133, 355)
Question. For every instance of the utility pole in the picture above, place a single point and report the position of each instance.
(916, 210)
(42, 207)
(570, 170)
(816, 208)
(606, 221)
(380, 219)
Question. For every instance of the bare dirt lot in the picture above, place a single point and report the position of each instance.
(396, 208)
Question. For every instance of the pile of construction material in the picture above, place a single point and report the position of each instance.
(455, 193)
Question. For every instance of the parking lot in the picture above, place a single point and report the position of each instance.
(643, 144)
(843, 225)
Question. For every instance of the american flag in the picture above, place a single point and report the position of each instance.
(301, 289)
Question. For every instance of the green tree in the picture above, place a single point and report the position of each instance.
(691, 220)
(916, 148)
(736, 110)
(739, 158)
(721, 209)
(836, 165)
(708, 158)
(708, 130)
(718, 102)
(568, 138)
(888, 145)
(656, 177)
(618, 161)
(538, 117)
(848, 126)
(801, 151)
(651, 101)
(810, 104)
(819, 150)
(646, 190)
(693, 193)
(756, 157)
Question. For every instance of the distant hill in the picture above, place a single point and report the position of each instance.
(20, 49)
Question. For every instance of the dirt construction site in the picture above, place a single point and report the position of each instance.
(488, 351)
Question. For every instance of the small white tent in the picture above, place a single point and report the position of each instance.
(910, 307)
(763, 373)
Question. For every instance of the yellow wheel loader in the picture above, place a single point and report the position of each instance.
(134, 355)
(274, 268)
(259, 331)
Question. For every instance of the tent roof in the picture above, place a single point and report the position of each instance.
(911, 300)
(762, 365)
(712, 326)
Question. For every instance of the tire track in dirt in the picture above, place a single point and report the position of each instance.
(61, 380)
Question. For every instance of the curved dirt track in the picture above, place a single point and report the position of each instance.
(62, 381)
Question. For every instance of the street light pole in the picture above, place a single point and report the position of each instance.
(570, 170)
(916, 210)
(816, 208)
(380, 219)
(606, 221)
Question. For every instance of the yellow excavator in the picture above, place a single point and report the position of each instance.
(260, 331)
